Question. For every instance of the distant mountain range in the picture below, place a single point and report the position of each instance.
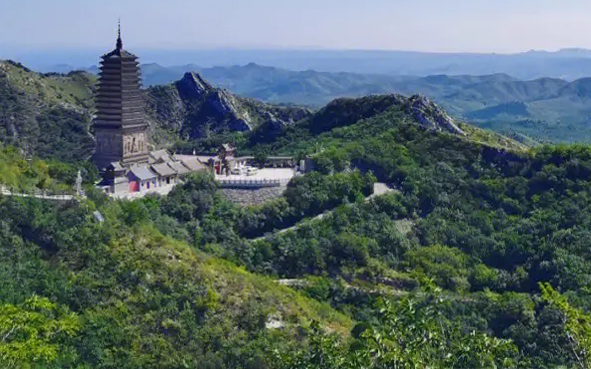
(546, 108)
(569, 64)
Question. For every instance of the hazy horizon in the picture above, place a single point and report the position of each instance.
(460, 26)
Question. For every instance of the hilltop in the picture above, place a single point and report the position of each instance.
(543, 110)
(193, 108)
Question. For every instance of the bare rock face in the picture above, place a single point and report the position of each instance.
(428, 114)
(193, 86)
(198, 109)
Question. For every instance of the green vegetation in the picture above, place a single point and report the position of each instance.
(545, 109)
(445, 271)
(576, 323)
(406, 335)
(208, 217)
(49, 115)
(77, 292)
(489, 225)
(46, 115)
(21, 175)
(32, 332)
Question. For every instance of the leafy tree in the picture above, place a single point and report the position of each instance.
(31, 333)
(576, 323)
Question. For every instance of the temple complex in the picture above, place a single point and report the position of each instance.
(122, 153)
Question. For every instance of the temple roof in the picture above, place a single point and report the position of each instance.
(160, 156)
(179, 167)
(193, 164)
(163, 170)
(116, 166)
(117, 53)
(142, 173)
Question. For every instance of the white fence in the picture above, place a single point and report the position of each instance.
(248, 183)
(38, 194)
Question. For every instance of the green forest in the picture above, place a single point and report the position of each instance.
(478, 258)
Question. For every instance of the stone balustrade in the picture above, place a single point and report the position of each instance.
(248, 183)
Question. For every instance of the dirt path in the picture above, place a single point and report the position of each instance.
(379, 189)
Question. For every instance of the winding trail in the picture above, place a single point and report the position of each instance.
(379, 189)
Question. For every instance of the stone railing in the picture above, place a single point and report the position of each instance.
(248, 183)
(38, 194)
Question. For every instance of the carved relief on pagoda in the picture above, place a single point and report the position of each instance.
(134, 143)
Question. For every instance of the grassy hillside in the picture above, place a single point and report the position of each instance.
(477, 258)
(50, 115)
(347, 121)
(46, 115)
(119, 294)
(29, 175)
(476, 224)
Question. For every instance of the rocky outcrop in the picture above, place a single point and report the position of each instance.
(197, 109)
(193, 86)
(346, 111)
(428, 114)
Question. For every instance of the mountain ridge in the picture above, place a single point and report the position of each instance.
(558, 109)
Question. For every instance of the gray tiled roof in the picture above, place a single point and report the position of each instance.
(116, 166)
(142, 173)
(159, 156)
(194, 165)
(163, 170)
(179, 167)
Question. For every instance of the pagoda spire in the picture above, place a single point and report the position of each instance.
(119, 42)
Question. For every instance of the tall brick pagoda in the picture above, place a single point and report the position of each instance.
(120, 126)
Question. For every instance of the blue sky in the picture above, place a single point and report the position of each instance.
(423, 25)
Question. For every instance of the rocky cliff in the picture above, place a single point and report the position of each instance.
(347, 111)
(428, 114)
(192, 108)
